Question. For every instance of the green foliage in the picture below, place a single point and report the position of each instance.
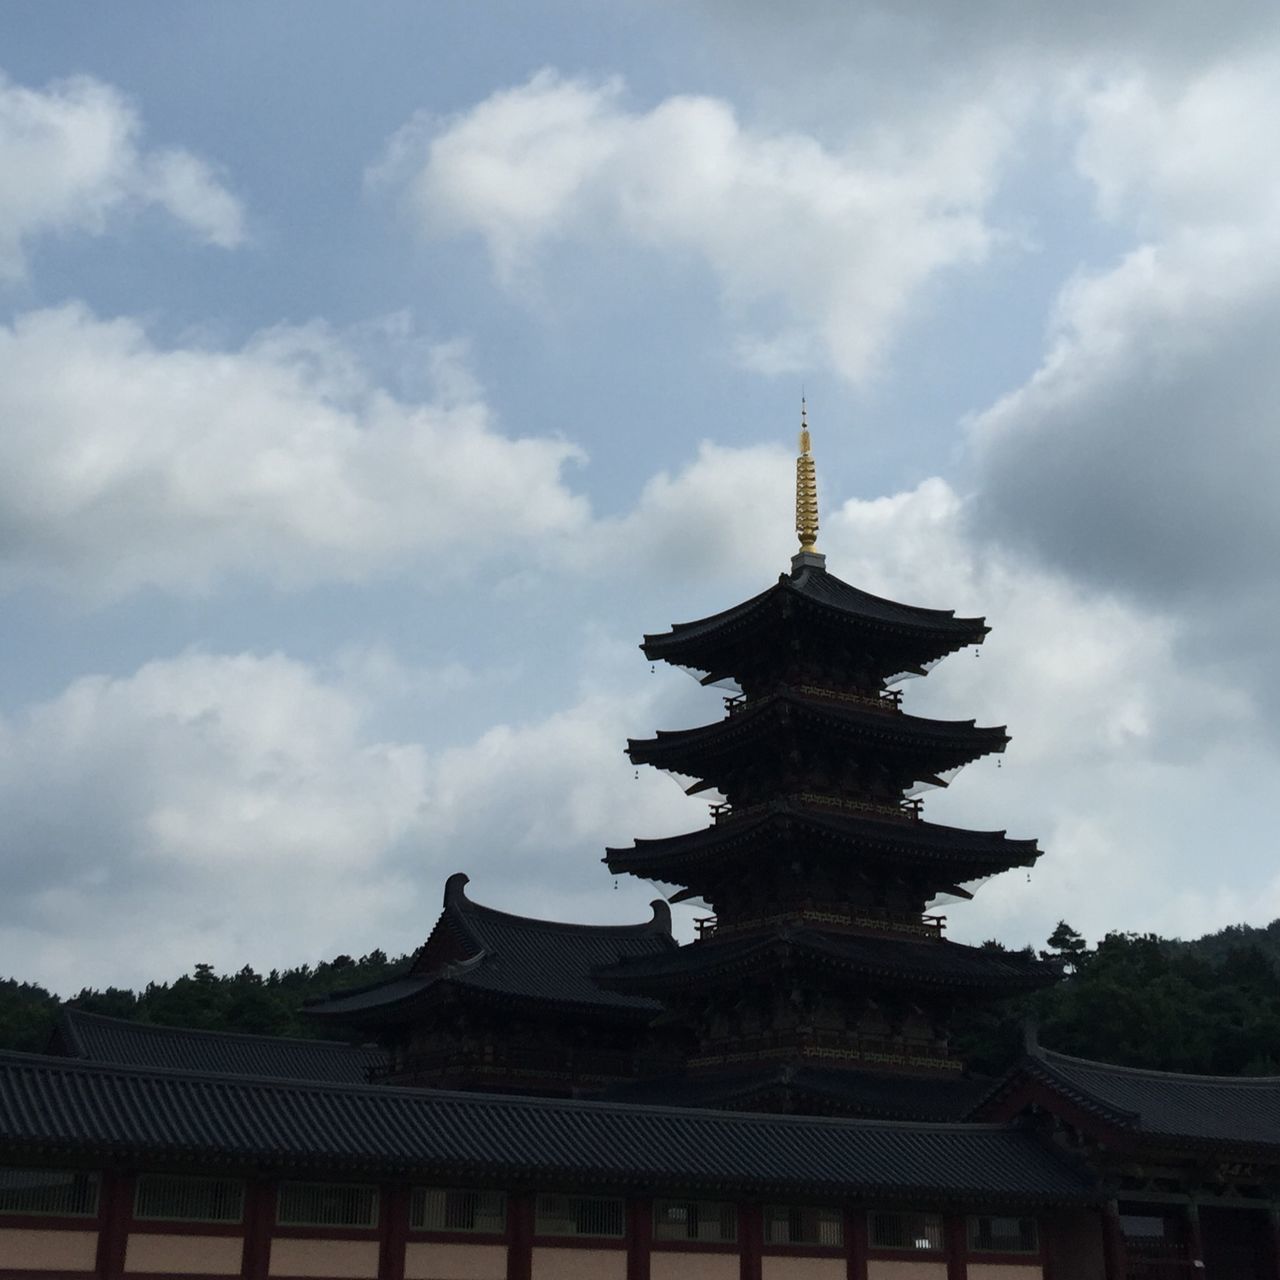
(243, 1001)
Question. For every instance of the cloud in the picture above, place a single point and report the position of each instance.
(815, 249)
(74, 162)
(124, 464)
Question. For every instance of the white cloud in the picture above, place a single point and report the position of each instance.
(837, 242)
(124, 464)
(72, 159)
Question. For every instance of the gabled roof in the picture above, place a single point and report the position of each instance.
(816, 1090)
(503, 956)
(926, 633)
(948, 852)
(119, 1042)
(1164, 1105)
(922, 965)
(900, 741)
(76, 1110)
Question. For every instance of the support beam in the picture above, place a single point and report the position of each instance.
(1113, 1256)
(394, 1231)
(956, 1237)
(259, 1214)
(855, 1243)
(751, 1240)
(520, 1236)
(639, 1238)
(116, 1207)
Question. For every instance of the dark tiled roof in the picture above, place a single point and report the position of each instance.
(936, 630)
(70, 1108)
(920, 964)
(954, 853)
(1163, 1104)
(138, 1044)
(907, 741)
(822, 1090)
(520, 957)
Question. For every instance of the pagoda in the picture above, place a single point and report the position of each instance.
(819, 983)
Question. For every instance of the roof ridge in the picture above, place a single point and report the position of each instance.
(1050, 1056)
(646, 926)
(168, 1028)
(50, 1062)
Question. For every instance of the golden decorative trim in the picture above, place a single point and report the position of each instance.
(806, 488)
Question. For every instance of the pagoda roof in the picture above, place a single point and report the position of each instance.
(881, 1095)
(120, 1042)
(1164, 1106)
(927, 633)
(955, 854)
(927, 746)
(70, 1110)
(897, 962)
(496, 955)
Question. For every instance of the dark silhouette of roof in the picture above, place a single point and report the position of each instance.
(120, 1042)
(913, 741)
(922, 634)
(903, 962)
(517, 957)
(768, 829)
(1163, 1105)
(67, 1108)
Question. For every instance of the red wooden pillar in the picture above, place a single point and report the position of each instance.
(520, 1236)
(259, 1217)
(1273, 1240)
(394, 1232)
(855, 1243)
(1113, 1259)
(639, 1238)
(751, 1240)
(115, 1208)
(956, 1236)
(1195, 1237)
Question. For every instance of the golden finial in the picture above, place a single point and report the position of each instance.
(806, 488)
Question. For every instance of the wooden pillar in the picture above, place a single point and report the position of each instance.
(1045, 1227)
(1273, 1240)
(955, 1235)
(259, 1218)
(639, 1238)
(1195, 1237)
(1113, 1259)
(393, 1222)
(751, 1240)
(520, 1208)
(855, 1243)
(115, 1210)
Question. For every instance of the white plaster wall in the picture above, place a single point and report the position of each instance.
(906, 1269)
(175, 1254)
(772, 1268)
(423, 1261)
(49, 1250)
(1004, 1271)
(672, 1265)
(579, 1264)
(349, 1259)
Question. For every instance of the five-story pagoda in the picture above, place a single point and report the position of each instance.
(820, 984)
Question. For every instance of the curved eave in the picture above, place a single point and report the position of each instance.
(922, 844)
(936, 745)
(911, 965)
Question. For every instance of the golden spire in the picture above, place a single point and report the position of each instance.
(806, 489)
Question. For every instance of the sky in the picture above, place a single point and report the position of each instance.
(373, 377)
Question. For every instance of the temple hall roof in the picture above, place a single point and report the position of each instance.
(507, 956)
(1165, 1105)
(120, 1042)
(903, 963)
(927, 633)
(70, 1109)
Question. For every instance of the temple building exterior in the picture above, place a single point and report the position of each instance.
(778, 1099)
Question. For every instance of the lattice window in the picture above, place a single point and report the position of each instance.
(176, 1198)
(327, 1204)
(1003, 1235)
(441, 1209)
(711, 1221)
(912, 1232)
(803, 1224)
(580, 1216)
(63, 1192)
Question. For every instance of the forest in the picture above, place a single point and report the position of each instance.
(1209, 1006)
